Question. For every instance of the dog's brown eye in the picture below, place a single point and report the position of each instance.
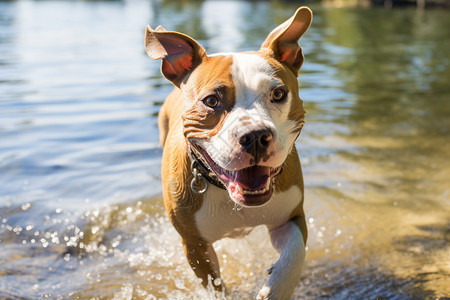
(211, 101)
(278, 94)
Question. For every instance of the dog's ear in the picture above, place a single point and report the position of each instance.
(180, 53)
(282, 42)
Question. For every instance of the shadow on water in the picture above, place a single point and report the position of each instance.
(81, 214)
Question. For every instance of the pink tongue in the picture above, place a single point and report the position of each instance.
(253, 178)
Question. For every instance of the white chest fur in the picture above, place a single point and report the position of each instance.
(219, 217)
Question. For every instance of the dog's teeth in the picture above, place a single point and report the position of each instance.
(261, 191)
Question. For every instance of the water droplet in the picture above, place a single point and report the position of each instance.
(217, 281)
(179, 283)
(26, 206)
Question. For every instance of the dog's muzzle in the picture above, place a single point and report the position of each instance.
(251, 186)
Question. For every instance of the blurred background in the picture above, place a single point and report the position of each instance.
(81, 211)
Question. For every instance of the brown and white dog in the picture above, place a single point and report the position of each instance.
(228, 131)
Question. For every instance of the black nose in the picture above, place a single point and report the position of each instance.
(256, 142)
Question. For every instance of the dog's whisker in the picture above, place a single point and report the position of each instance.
(237, 207)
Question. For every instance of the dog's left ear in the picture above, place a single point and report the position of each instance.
(180, 53)
(282, 42)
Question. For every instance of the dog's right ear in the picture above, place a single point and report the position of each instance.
(282, 42)
(180, 53)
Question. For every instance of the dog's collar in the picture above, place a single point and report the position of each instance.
(204, 171)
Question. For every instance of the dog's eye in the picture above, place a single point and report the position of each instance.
(278, 94)
(211, 101)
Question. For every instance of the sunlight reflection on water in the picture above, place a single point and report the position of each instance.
(79, 155)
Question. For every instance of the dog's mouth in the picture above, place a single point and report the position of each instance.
(251, 186)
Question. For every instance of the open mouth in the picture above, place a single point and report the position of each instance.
(251, 186)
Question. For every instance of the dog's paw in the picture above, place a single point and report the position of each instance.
(269, 293)
(264, 293)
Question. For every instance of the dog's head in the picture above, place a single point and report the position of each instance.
(242, 110)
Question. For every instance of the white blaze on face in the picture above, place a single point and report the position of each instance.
(254, 79)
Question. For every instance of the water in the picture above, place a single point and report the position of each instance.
(80, 195)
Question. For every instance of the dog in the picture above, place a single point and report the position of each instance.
(229, 159)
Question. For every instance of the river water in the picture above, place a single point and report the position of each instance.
(80, 189)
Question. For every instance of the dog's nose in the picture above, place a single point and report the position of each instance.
(256, 142)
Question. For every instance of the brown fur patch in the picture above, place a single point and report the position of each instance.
(181, 204)
(212, 78)
(292, 175)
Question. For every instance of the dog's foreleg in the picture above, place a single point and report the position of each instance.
(203, 260)
(285, 273)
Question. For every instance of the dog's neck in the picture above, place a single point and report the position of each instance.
(205, 172)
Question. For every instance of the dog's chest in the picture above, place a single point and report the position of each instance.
(219, 217)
